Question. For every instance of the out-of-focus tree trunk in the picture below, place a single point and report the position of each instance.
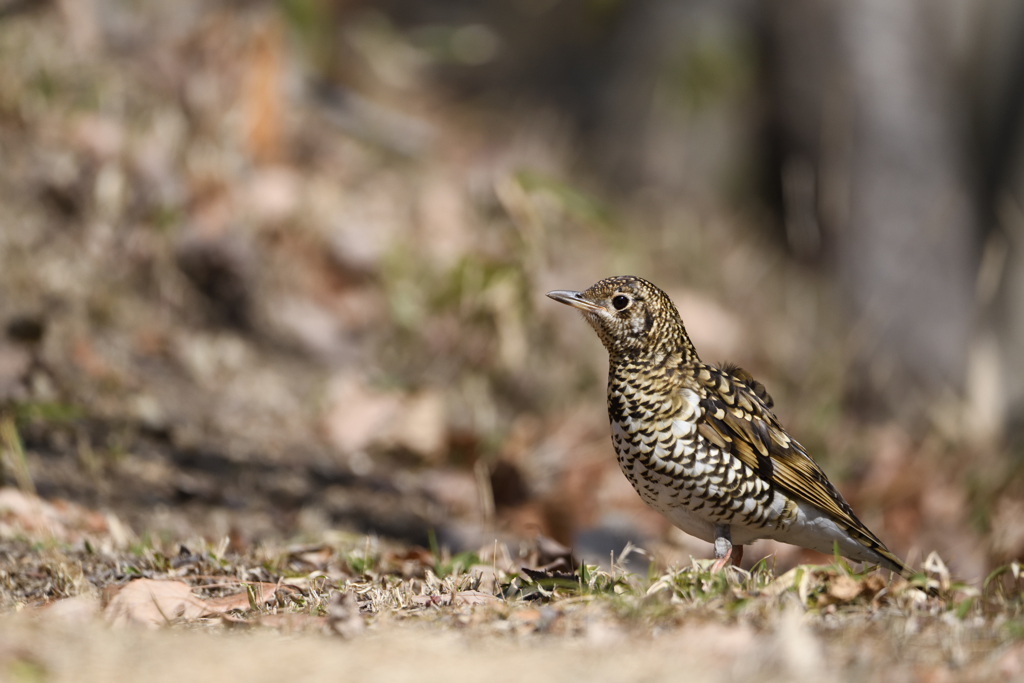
(1000, 65)
(908, 241)
(882, 173)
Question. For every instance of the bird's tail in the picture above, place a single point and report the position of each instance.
(890, 561)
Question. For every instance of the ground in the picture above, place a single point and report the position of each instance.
(408, 614)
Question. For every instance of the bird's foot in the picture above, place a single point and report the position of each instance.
(721, 562)
(724, 550)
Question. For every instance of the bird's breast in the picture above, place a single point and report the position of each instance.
(676, 471)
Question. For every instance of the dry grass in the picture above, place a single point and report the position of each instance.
(273, 609)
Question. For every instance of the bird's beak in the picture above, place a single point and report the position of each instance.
(576, 300)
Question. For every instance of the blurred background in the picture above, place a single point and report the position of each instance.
(277, 269)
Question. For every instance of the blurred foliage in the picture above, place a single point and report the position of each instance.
(711, 71)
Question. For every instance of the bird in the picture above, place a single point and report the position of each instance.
(700, 443)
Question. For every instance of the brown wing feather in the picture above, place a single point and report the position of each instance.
(736, 417)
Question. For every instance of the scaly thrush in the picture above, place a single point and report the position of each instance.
(700, 443)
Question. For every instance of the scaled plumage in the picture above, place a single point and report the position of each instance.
(700, 443)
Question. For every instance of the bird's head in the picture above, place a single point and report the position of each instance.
(632, 317)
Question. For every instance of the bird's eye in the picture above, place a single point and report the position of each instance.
(620, 301)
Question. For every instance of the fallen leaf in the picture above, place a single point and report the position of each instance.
(841, 589)
(235, 621)
(474, 598)
(413, 553)
(315, 556)
(456, 489)
(422, 427)
(359, 417)
(844, 588)
(413, 562)
(22, 512)
(872, 585)
(152, 603)
(262, 593)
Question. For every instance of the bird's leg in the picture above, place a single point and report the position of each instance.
(723, 547)
(737, 555)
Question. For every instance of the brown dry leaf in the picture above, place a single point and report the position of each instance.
(235, 621)
(359, 417)
(844, 588)
(871, 585)
(316, 556)
(474, 598)
(422, 427)
(413, 553)
(25, 513)
(263, 593)
(414, 562)
(153, 603)
(456, 489)
(80, 518)
(841, 589)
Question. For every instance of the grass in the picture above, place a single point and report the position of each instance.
(10, 444)
(387, 579)
(364, 587)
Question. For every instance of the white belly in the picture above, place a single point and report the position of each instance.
(690, 512)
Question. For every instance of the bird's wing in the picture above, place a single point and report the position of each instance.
(736, 417)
